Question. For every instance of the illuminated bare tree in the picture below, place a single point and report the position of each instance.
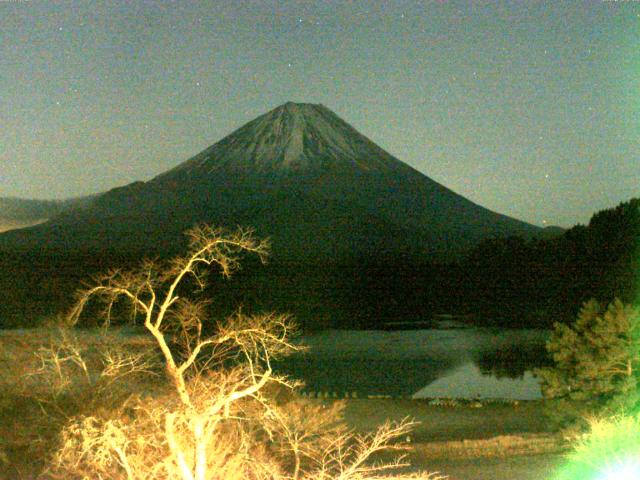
(220, 417)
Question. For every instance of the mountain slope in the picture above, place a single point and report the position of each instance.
(18, 209)
(298, 174)
(308, 151)
(292, 137)
(356, 234)
(28, 209)
(20, 213)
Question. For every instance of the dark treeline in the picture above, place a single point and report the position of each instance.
(507, 282)
(538, 282)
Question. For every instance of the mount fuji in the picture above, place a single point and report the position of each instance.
(298, 174)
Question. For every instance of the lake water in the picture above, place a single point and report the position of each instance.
(439, 362)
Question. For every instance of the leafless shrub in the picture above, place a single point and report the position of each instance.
(223, 415)
(80, 379)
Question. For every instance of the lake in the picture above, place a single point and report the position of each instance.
(452, 361)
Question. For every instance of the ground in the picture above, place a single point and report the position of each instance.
(467, 441)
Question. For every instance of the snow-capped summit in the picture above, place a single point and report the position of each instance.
(300, 175)
(291, 137)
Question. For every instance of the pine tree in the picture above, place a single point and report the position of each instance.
(596, 369)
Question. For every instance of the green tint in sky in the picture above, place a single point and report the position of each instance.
(531, 109)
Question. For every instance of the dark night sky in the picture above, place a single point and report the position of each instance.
(529, 108)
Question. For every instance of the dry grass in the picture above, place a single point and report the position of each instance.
(500, 446)
(36, 402)
(441, 423)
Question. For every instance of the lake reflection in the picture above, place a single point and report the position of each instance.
(468, 381)
(458, 362)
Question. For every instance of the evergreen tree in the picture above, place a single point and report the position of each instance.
(596, 367)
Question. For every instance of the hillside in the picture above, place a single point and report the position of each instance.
(20, 212)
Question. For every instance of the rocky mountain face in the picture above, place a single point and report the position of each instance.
(298, 174)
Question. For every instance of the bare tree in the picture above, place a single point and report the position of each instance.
(74, 380)
(220, 417)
